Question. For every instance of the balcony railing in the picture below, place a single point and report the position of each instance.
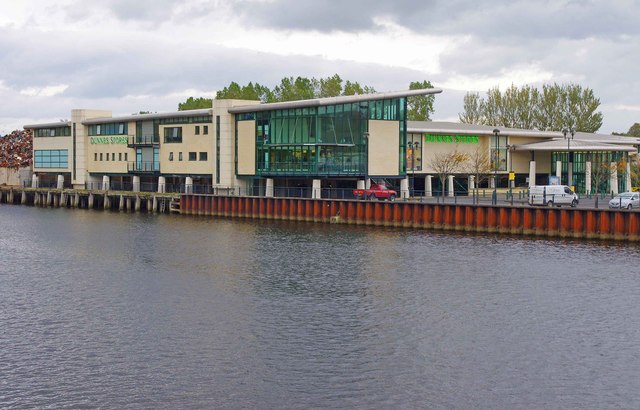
(143, 167)
(143, 140)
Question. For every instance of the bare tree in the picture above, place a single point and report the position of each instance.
(479, 165)
(447, 163)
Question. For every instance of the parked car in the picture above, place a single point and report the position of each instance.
(376, 191)
(552, 195)
(625, 200)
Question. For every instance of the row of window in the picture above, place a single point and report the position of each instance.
(193, 156)
(53, 132)
(173, 135)
(105, 157)
(114, 128)
(51, 158)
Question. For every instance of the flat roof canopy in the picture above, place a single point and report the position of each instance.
(559, 145)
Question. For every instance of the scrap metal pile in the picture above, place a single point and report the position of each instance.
(16, 150)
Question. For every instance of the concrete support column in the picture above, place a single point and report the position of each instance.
(627, 177)
(138, 205)
(587, 177)
(613, 178)
(268, 191)
(60, 184)
(450, 188)
(162, 185)
(559, 170)
(105, 183)
(35, 182)
(472, 183)
(316, 192)
(532, 173)
(492, 181)
(360, 184)
(188, 185)
(428, 185)
(136, 184)
(404, 188)
(90, 201)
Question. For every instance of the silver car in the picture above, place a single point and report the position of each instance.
(626, 200)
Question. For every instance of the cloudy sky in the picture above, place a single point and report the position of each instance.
(149, 55)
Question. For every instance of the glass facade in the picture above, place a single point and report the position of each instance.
(113, 128)
(51, 158)
(321, 141)
(498, 153)
(601, 170)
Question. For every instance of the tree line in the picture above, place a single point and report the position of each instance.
(551, 109)
(419, 108)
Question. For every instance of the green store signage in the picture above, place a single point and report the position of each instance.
(109, 140)
(455, 139)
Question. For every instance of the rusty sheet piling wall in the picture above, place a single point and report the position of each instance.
(518, 220)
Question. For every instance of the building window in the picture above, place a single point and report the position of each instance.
(95, 156)
(126, 156)
(192, 156)
(53, 132)
(179, 156)
(51, 158)
(114, 128)
(203, 156)
(205, 129)
(173, 135)
(119, 156)
(113, 156)
(171, 156)
(101, 156)
(197, 130)
(107, 156)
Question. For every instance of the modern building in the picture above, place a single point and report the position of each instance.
(315, 148)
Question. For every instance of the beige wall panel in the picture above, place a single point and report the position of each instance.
(384, 148)
(113, 146)
(190, 143)
(46, 143)
(246, 147)
(431, 150)
(82, 142)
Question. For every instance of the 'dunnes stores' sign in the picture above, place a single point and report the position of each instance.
(109, 140)
(455, 139)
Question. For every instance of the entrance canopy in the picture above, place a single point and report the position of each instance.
(575, 145)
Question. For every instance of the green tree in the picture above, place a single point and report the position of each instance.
(634, 131)
(552, 109)
(420, 107)
(330, 86)
(195, 103)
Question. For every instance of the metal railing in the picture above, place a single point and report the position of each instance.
(143, 166)
(144, 140)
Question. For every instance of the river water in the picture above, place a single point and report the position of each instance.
(105, 309)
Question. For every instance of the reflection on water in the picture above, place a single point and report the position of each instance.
(104, 309)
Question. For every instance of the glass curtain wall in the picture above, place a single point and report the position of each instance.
(320, 141)
(601, 169)
(498, 153)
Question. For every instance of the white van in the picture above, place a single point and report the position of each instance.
(552, 195)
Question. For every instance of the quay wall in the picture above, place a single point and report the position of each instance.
(504, 219)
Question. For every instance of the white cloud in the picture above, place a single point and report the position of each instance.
(48, 91)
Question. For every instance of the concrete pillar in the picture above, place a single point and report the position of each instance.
(472, 183)
(559, 170)
(367, 183)
(105, 183)
(532, 173)
(268, 192)
(23, 200)
(450, 187)
(316, 192)
(587, 177)
(627, 178)
(56, 200)
(162, 185)
(10, 197)
(49, 199)
(360, 184)
(492, 181)
(154, 205)
(188, 185)
(613, 179)
(90, 201)
(107, 201)
(121, 203)
(76, 200)
(404, 188)
(136, 184)
(35, 182)
(428, 185)
(138, 203)
(60, 184)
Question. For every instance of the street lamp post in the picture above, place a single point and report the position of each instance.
(569, 133)
(365, 138)
(494, 199)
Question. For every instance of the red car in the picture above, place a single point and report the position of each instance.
(377, 191)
